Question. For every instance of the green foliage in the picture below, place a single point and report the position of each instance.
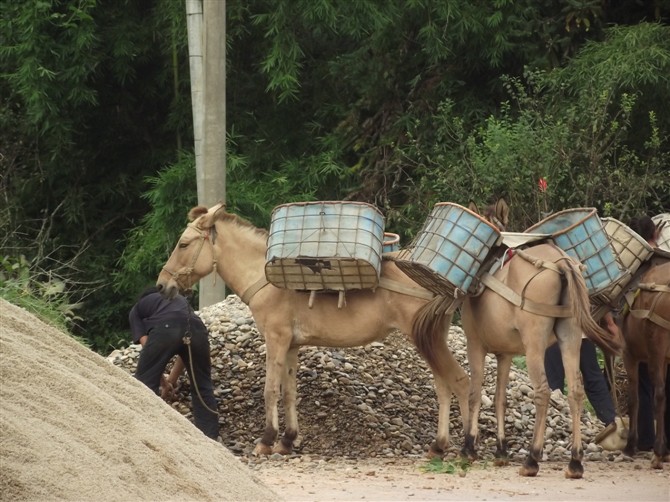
(171, 194)
(400, 103)
(438, 466)
(38, 292)
(603, 148)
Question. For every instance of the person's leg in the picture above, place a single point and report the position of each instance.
(595, 384)
(553, 366)
(200, 375)
(646, 432)
(155, 354)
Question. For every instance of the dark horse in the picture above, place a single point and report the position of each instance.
(646, 330)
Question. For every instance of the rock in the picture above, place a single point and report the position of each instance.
(360, 402)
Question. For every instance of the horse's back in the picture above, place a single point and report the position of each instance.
(365, 316)
(500, 324)
(643, 335)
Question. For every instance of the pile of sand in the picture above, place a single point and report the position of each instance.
(75, 427)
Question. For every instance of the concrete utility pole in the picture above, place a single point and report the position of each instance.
(206, 23)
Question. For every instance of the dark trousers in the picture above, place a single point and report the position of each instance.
(595, 384)
(161, 346)
(646, 433)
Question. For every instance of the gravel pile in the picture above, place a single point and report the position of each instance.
(372, 401)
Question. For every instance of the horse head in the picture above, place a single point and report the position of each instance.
(191, 259)
(496, 213)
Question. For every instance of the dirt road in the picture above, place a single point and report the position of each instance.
(402, 480)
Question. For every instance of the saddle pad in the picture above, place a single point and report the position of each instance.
(518, 239)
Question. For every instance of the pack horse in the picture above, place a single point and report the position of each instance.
(216, 240)
(532, 298)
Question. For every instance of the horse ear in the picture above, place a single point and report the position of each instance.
(211, 215)
(502, 211)
(219, 209)
(196, 213)
(473, 207)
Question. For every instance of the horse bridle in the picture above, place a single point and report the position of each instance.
(202, 235)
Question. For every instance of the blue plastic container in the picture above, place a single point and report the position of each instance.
(580, 233)
(391, 242)
(450, 249)
(327, 245)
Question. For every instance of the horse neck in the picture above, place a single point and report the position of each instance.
(240, 254)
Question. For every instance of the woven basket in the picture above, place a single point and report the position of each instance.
(663, 241)
(630, 251)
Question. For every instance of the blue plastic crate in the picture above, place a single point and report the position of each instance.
(580, 233)
(327, 245)
(391, 242)
(450, 249)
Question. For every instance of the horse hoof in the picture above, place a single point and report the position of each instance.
(282, 450)
(573, 474)
(657, 462)
(575, 470)
(529, 472)
(262, 449)
(434, 451)
(501, 462)
(530, 467)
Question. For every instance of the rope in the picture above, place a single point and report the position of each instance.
(187, 341)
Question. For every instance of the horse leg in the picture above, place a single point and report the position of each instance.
(657, 371)
(632, 370)
(570, 354)
(289, 395)
(502, 377)
(535, 364)
(476, 357)
(275, 362)
(449, 378)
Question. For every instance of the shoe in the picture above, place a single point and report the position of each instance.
(614, 436)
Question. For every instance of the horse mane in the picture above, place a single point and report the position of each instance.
(241, 222)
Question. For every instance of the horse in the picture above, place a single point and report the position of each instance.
(531, 300)
(216, 240)
(646, 331)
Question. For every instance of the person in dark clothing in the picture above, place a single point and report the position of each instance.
(162, 326)
(595, 384)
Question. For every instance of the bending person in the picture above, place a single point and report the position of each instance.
(163, 328)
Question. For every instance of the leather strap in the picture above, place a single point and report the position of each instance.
(397, 287)
(650, 314)
(253, 289)
(523, 303)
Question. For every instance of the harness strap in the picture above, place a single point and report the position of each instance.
(253, 289)
(538, 262)
(523, 303)
(397, 287)
(650, 314)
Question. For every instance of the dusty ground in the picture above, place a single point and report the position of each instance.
(403, 480)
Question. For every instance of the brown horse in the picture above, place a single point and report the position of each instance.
(646, 331)
(537, 297)
(221, 241)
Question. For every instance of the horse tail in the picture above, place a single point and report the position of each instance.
(428, 329)
(581, 308)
